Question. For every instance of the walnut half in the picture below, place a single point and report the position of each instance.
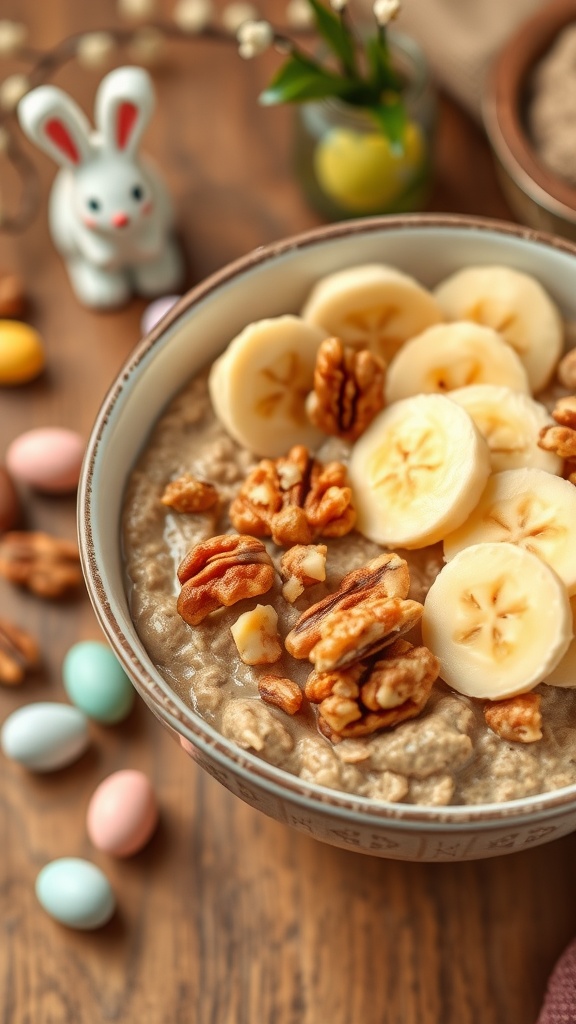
(348, 389)
(221, 571)
(516, 719)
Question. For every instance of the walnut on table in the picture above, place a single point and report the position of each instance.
(348, 389)
(189, 494)
(46, 565)
(19, 652)
(221, 571)
(517, 719)
(294, 500)
(375, 693)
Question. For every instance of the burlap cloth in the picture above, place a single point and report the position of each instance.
(460, 38)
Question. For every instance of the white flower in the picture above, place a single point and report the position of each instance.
(93, 49)
(136, 9)
(192, 15)
(338, 5)
(12, 36)
(236, 14)
(12, 89)
(254, 38)
(299, 14)
(385, 10)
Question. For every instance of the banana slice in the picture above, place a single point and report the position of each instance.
(514, 304)
(498, 619)
(530, 508)
(417, 472)
(564, 674)
(511, 423)
(450, 356)
(259, 386)
(372, 306)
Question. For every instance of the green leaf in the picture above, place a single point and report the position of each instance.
(392, 119)
(382, 74)
(333, 30)
(300, 79)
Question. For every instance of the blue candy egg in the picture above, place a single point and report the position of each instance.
(96, 682)
(45, 736)
(76, 893)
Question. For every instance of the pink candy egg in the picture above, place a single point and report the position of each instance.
(122, 813)
(48, 459)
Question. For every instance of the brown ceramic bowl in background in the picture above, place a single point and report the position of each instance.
(272, 280)
(536, 195)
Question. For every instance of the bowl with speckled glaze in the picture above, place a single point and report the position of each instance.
(272, 280)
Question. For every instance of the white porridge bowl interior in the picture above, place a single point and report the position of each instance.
(271, 281)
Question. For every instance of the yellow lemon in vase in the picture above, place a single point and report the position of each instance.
(363, 173)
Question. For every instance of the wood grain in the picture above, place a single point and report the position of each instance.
(228, 917)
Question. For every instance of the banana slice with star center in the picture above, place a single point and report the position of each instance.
(450, 356)
(417, 472)
(498, 619)
(511, 423)
(516, 305)
(259, 386)
(372, 306)
(527, 507)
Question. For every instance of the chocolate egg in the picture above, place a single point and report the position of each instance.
(48, 458)
(9, 502)
(122, 813)
(21, 352)
(76, 893)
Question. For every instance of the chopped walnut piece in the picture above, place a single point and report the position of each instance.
(46, 565)
(561, 440)
(386, 575)
(255, 634)
(302, 566)
(281, 692)
(564, 411)
(221, 571)
(516, 719)
(294, 499)
(19, 652)
(348, 389)
(567, 370)
(188, 494)
(349, 635)
(373, 694)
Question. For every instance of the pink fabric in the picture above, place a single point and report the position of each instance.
(560, 1001)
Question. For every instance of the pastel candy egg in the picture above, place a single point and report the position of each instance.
(155, 311)
(45, 736)
(9, 502)
(96, 682)
(21, 352)
(76, 893)
(122, 813)
(48, 458)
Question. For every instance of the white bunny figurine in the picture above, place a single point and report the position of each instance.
(110, 215)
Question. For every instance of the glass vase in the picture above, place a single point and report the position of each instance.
(344, 163)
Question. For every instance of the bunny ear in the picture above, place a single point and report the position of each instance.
(53, 121)
(124, 104)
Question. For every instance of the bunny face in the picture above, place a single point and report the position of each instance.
(112, 194)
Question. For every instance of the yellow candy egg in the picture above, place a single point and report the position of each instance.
(21, 352)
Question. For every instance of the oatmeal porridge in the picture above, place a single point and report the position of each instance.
(350, 609)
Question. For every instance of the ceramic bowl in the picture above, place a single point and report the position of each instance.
(272, 280)
(535, 194)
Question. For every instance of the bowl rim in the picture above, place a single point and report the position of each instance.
(156, 692)
(501, 98)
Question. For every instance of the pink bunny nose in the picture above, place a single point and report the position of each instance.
(120, 220)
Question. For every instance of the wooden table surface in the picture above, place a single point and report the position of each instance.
(228, 917)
